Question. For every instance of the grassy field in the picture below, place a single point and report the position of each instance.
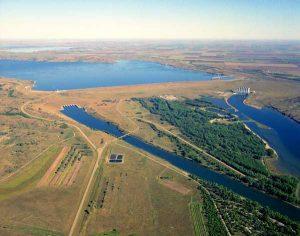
(196, 209)
(29, 176)
(29, 146)
(46, 208)
(22, 138)
(28, 230)
(114, 232)
(132, 199)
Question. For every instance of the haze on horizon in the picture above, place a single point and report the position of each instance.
(153, 19)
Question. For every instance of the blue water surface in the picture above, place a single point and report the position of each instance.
(78, 75)
(281, 132)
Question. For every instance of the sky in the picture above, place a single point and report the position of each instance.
(150, 19)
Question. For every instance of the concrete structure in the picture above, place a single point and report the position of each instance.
(242, 91)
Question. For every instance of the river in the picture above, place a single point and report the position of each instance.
(192, 167)
(281, 132)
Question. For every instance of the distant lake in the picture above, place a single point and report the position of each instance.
(78, 75)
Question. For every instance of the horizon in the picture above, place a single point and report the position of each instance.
(152, 20)
(145, 40)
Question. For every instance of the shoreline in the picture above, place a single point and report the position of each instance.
(267, 145)
(33, 82)
(272, 107)
(284, 114)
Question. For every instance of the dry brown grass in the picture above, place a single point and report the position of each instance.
(45, 207)
(137, 203)
(25, 204)
(176, 186)
(47, 177)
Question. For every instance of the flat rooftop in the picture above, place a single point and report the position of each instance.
(116, 158)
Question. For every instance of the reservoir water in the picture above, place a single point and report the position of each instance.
(281, 132)
(80, 115)
(78, 75)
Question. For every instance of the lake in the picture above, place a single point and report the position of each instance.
(51, 76)
(192, 167)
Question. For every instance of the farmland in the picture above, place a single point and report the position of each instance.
(66, 166)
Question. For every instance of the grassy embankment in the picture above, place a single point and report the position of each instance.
(27, 178)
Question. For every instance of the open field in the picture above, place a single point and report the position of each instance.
(196, 210)
(30, 202)
(22, 138)
(175, 186)
(47, 177)
(132, 200)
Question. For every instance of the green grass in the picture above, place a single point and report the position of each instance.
(11, 93)
(29, 176)
(113, 232)
(297, 193)
(67, 133)
(14, 113)
(197, 218)
(35, 231)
